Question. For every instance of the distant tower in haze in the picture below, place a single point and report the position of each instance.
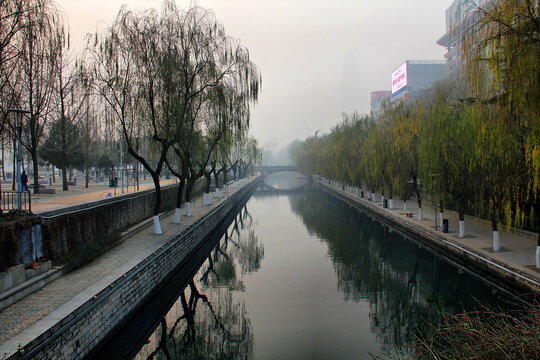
(350, 85)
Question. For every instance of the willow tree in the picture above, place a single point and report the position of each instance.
(404, 133)
(128, 63)
(205, 59)
(501, 50)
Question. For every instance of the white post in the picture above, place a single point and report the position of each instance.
(373, 196)
(188, 208)
(496, 242)
(538, 256)
(461, 228)
(420, 214)
(405, 206)
(217, 193)
(391, 204)
(177, 215)
(440, 218)
(382, 200)
(157, 225)
(206, 199)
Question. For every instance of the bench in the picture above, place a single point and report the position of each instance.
(47, 191)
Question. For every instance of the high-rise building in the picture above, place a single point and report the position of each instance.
(459, 18)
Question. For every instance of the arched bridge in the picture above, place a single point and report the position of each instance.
(269, 169)
(281, 178)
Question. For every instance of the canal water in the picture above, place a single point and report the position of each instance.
(299, 275)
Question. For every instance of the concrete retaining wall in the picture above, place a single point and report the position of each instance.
(66, 229)
(76, 335)
(498, 275)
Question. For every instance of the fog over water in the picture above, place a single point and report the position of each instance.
(317, 58)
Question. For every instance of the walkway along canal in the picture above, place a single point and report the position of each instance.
(506, 270)
(114, 286)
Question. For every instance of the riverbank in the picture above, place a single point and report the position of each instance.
(70, 316)
(511, 269)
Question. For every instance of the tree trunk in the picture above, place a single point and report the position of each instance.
(36, 172)
(180, 192)
(157, 206)
(189, 188)
(216, 179)
(87, 170)
(64, 178)
(3, 159)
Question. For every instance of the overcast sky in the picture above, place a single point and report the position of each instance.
(317, 58)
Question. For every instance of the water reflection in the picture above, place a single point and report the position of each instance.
(329, 282)
(207, 321)
(406, 286)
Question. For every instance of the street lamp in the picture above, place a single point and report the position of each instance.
(18, 126)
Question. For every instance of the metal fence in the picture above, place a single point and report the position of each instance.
(9, 200)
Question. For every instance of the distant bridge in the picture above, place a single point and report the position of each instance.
(267, 170)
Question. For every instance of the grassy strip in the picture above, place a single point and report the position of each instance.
(485, 335)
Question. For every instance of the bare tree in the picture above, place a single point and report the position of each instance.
(39, 44)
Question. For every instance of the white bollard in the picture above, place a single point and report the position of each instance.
(405, 206)
(206, 199)
(461, 228)
(441, 218)
(157, 225)
(217, 193)
(177, 215)
(382, 200)
(391, 204)
(538, 256)
(188, 208)
(373, 197)
(496, 242)
(420, 214)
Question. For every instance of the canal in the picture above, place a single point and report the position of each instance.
(299, 275)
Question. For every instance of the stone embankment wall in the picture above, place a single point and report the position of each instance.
(87, 326)
(498, 275)
(66, 229)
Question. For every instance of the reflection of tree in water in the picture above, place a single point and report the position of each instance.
(398, 279)
(207, 322)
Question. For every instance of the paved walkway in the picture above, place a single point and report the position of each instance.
(79, 193)
(32, 315)
(518, 247)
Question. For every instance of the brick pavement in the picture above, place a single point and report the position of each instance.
(79, 194)
(21, 317)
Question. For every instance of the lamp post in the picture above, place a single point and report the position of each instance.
(18, 126)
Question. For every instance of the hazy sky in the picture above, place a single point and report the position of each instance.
(317, 58)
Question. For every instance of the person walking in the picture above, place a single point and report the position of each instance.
(24, 181)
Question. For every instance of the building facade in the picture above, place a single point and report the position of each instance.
(412, 77)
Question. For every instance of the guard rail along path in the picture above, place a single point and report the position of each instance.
(81, 324)
(508, 270)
